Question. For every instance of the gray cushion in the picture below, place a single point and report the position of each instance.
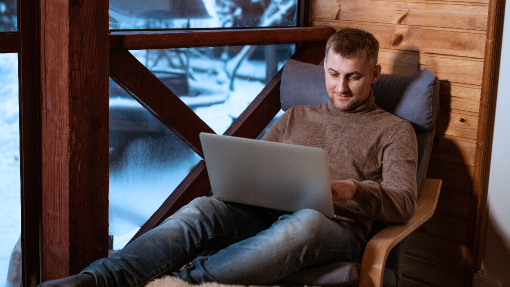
(414, 98)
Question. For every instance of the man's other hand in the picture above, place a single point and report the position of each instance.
(343, 189)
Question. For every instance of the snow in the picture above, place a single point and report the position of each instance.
(10, 206)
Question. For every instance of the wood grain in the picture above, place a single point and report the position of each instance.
(447, 227)
(457, 123)
(436, 249)
(394, 62)
(455, 203)
(454, 69)
(429, 14)
(74, 85)
(431, 273)
(453, 42)
(454, 149)
(455, 176)
(140, 40)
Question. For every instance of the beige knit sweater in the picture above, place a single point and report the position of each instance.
(375, 149)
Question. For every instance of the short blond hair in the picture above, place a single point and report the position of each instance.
(350, 43)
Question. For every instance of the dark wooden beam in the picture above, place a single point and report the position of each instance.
(160, 101)
(304, 12)
(141, 40)
(30, 139)
(10, 42)
(74, 112)
(250, 123)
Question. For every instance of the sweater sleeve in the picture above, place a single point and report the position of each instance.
(393, 200)
(276, 132)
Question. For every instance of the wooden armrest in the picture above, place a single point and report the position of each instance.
(377, 249)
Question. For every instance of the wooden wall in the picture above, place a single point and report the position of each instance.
(448, 38)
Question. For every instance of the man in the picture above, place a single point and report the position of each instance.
(373, 161)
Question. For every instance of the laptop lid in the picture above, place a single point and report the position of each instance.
(268, 174)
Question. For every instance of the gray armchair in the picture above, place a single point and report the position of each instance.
(414, 98)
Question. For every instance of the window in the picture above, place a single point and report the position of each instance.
(8, 16)
(177, 14)
(148, 161)
(10, 205)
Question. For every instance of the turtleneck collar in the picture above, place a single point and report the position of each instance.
(366, 106)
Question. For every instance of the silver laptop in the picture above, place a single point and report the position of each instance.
(267, 174)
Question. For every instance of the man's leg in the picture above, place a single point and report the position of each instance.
(305, 238)
(205, 224)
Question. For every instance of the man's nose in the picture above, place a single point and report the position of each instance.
(342, 86)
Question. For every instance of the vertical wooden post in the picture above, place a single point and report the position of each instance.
(486, 114)
(74, 139)
(30, 140)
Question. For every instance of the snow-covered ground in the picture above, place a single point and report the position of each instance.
(10, 206)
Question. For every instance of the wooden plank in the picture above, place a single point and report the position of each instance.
(30, 141)
(411, 282)
(453, 42)
(454, 69)
(457, 123)
(467, 16)
(10, 42)
(454, 149)
(432, 274)
(448, 227)
(74, 131)
(195, 184)
(460, 104)
(471, 92)
(437, 250)
(455, 203)
(141, 40)
(394, 62)
(455, 176)
(153, 95)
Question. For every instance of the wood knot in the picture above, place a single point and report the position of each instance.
(402, 18)
(462, 120)
(397, 39)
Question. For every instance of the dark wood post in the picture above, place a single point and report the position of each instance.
(74, 135)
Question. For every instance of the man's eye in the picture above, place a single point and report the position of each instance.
(333, 75)
(355, 78)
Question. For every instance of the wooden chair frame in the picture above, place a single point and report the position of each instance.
(378, 248)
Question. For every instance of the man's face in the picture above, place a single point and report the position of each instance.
(348, 80)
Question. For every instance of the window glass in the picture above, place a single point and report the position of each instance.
(8, 16)
(10, 204)
(147, 162)
(217, 83)
(168, 14)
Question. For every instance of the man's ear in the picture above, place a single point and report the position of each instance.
(325, 69)
(376, 73)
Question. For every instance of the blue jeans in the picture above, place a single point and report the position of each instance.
(229, 243)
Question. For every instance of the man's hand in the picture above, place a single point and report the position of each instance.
(343, 189)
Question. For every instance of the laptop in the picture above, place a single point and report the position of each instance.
(268, 174)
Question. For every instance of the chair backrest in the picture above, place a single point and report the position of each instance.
(414, 98)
